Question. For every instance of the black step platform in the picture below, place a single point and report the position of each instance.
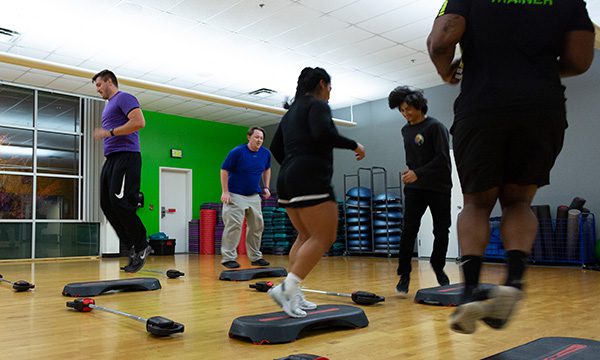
(447, 295)
(278, 327)
(253, 273)
(552, 348)
(94, 288)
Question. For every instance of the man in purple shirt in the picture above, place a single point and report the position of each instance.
(120, 177)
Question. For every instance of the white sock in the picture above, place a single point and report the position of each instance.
(292, 282)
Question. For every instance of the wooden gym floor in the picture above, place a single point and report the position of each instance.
(36, 325)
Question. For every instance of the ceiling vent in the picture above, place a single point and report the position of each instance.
(7, 35)
(262, 92)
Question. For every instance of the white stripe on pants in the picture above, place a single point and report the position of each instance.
(233, 219)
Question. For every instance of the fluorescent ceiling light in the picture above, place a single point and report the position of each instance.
(8, 36)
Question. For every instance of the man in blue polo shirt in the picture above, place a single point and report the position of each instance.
(241, 173)
(120, 177)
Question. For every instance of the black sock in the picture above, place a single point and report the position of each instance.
(516, 260)
(471, 267)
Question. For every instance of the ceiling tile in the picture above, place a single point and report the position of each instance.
(286, 19)
(333, 41)
(410, 32)
(65, 60)
(314, 29)
(68, 83)
(201, 10)
(35, 79)
(358, 49)
(7, 74)
(402, 16)
(246, 13)
(327, 6)
(365, 9)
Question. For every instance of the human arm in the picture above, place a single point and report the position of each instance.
(577, 53)
(266, 178)
(323, 130)
(225, 197)
(447, 31)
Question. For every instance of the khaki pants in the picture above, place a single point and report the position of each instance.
(233, 218)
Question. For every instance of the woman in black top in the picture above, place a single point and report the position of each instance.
(303, 145)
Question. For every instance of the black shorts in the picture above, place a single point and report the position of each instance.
(304, 181)
(513, 148)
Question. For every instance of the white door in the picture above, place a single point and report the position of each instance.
(176, 205)
(425, 236)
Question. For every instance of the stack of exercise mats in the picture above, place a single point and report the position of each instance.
(358, 220)
(574, 234)
(387, 222)
(268, 241)
(569, 239)
(194, 236)
(208, 220)
(284, 233)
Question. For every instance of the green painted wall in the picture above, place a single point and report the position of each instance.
(204, 144)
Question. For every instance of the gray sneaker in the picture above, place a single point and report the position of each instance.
(139, 259)
(502, 303)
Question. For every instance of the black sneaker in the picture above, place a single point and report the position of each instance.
(139, 259)
(441, 277)
(130, 253)
(402, 286)
(231, 264)
(261, 262)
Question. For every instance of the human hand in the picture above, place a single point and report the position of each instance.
(409, 177)
(225, 198)
(454, 73)
(100, 133)
(266, 193)
(359, 152)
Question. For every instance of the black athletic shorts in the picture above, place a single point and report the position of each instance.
(512, 148)
(304, 181)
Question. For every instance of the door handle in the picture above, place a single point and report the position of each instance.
(163, 212)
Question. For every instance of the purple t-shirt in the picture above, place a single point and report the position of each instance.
(114, 115)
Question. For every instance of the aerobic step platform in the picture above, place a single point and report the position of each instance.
(252, 273)
(278, 327)
(447, 295)
(552, 348)
(94, 288)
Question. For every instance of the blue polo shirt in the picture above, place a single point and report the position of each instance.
(245, 169)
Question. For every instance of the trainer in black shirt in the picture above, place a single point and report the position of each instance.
(509, 125)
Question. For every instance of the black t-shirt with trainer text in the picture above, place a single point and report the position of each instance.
(510, 52)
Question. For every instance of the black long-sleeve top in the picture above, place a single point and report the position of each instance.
(428, 154)
(307, 129)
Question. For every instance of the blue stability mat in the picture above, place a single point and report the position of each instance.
(552, 348)
(94, 288)
(252, 273)
(447, 295)
(278, 327)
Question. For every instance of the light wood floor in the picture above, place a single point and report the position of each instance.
(37, 325)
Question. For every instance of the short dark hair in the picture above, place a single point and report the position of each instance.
(104, 74)
(413, 97)
(252, 129)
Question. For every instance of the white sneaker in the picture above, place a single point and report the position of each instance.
(288, 302)
(502, 303)
(305, 304)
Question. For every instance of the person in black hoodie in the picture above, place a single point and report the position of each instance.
(303, 145)
(427, 182)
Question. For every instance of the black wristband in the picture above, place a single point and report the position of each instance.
(112, 132)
